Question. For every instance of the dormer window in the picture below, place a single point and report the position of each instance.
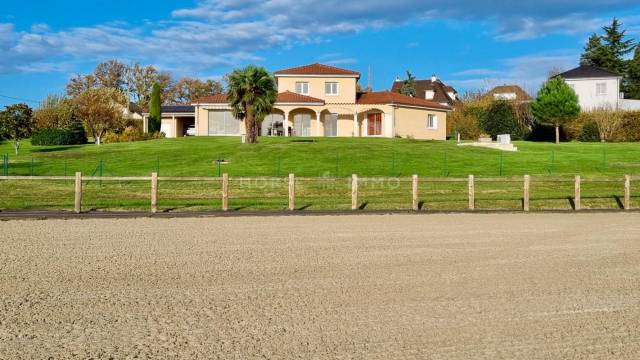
(429, 94)
(302, 87)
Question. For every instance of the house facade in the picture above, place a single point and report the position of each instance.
(320, 100)
(596, 88)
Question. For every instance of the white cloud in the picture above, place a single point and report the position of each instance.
(230, 32)
(528, 71)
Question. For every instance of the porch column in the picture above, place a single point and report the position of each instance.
(145, 124)
(285, 124)
(318, 123)
(355, 124)
(175, 126)
(365, 125)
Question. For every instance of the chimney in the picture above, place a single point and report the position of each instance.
(434, 78)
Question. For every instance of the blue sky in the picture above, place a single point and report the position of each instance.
(470, 44)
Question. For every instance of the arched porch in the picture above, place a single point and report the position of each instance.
(373, 122)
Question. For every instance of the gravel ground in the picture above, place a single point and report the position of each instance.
(537, 286)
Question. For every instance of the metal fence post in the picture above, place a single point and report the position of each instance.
(77, 207)
(472, 193)
(154, 192)
(525, 195)
(354, 192)
(414, 193)
(627, 192)
(577, 196)
(5, 165)
(225, 192)
(292, 192)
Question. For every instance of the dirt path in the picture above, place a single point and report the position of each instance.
(539, 286)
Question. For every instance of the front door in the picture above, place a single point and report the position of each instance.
(374, 127)
(331, 125)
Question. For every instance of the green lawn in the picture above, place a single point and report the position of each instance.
(552, 167)
(325, 157)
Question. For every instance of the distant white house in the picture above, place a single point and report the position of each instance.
(598, 88)
(509, 93)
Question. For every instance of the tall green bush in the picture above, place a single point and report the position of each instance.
(155, 109)
(500, 118)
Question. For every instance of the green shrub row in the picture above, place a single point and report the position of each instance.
(74, 135)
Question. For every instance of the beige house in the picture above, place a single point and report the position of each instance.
(321, 100)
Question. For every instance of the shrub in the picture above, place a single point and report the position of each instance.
(615, 126)
(130, 134)
(464, 120)
(589, 132)
(500, 118)
(73, 135)
(630, 129)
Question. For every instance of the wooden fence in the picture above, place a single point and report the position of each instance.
(355, 181)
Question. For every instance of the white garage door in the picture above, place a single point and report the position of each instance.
(167, 129)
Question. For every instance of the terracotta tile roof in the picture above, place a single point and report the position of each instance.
(291, 97)
(213, 99)
(316, 69)
(283, 97)
(394, 98)
(440, 90)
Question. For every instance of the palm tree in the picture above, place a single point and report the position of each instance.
(252, 93)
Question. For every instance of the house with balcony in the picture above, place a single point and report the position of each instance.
(319, 100)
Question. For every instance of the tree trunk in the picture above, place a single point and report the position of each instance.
(557, 134)
(16, 146)
(250, 125)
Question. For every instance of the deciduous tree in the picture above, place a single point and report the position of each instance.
(54, 112)
(16, 123)
(187, 90)
(100, 110)
(140, 81)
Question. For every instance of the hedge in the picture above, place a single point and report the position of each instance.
(51, 136)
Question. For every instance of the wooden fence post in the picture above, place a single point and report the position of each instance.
(292, 192)
(414, 193)
(576, 200)
(525, 195)
(627, 192)
(472, 193)
(225, 192)
(354, 192)
(154, 192)
(77, 207)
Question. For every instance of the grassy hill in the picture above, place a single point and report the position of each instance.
(552, 168)
(325, 157)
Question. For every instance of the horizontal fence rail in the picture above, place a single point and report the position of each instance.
(353, 183)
